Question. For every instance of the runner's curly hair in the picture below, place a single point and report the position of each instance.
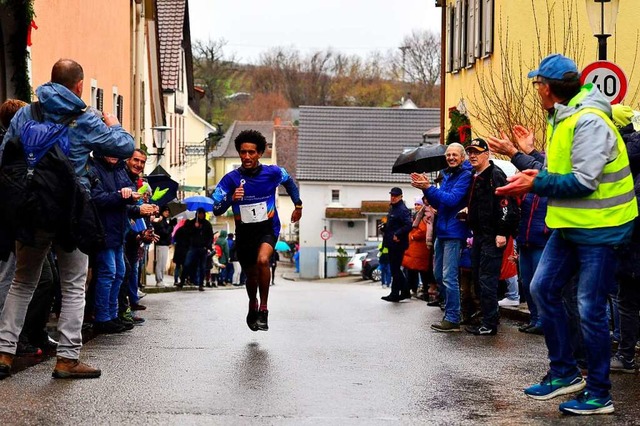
(251, 136)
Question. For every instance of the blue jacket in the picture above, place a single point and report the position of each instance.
(449, 199)
(533, 232)
(106, 181)
(87, 133)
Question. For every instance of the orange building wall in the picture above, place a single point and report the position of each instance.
(96, 34)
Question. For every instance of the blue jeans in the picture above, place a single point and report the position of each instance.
(110, 271)
(594, 266)
(486, 262)
(132, 279)
(385, 276)
(528, 259)
(445, 270)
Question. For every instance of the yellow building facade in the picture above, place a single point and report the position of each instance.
(489, 46)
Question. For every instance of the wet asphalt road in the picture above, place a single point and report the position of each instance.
(335, 354)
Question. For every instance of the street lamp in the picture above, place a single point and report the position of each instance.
(602, 18)
(160, 139)
(210, 141)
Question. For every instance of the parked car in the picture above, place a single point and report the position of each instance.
(354, 267)
(370, 269)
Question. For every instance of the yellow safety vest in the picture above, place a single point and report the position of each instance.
(613, 202)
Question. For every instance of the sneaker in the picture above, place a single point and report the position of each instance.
(200, 288)
(261, 322)
(74, 369)
(481, 330)
(508, 302)
(445, 326)
(107, 327)
(125, 324)
(434, 303)
(137, 307)
(141, 294)
(620, 364)
(6, 361)
(586, 404)
(26, 349)
(550, 387)
(252, 318)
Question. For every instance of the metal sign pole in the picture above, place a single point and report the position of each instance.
(325, 256)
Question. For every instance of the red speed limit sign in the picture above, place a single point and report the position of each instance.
(325, 234)
(608, 77)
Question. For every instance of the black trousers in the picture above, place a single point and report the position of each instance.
(399, 284)
(486, 262)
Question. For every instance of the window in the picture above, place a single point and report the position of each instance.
(335, 195)
(469, 32)
(120, 108)
(100, 99)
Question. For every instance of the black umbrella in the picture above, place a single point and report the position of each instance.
(163, 189)
(421, 159)
(176, 207)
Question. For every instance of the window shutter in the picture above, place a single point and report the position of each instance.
(456, 37)
(471, 39)
(463, 33)
(120, 108)
(450, 30)
(488, 27)
(477, 32)
(100, 99)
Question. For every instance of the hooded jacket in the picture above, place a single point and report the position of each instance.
(449, 199)
(87, 132)
(594, 145)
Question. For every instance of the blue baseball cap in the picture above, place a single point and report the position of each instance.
(554, 67)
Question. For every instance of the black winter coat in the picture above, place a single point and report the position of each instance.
(490, 214)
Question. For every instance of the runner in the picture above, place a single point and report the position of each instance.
(250, 190)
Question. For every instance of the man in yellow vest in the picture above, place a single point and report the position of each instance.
(591, 210)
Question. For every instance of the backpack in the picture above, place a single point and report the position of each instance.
(40, 189)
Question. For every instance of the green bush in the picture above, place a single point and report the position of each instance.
(343, 259)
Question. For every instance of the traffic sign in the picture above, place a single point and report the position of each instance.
(609, 78)
(325, 234)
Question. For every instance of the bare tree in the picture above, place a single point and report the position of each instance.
(419, 59)
(505, 97)
(212, 72)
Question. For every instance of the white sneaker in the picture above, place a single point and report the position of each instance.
(141, 294)
(508, 302)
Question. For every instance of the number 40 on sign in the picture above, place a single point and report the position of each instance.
(608, 78)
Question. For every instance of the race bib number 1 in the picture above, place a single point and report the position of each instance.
(253, 213)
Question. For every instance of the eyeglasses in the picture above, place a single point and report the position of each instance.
(475, 153)
(536, 82)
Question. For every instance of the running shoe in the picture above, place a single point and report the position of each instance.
(586, 404)
(262, 322)
(622, 365)
(252, 318)
(550, 387)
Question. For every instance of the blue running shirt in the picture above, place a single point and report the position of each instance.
(259, 202)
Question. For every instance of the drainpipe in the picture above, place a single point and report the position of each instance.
(443, 67)
(138, 69)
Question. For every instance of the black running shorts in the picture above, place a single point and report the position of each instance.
(249, 238)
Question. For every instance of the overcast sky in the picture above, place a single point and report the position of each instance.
(251, 27)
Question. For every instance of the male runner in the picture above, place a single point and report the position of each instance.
(250, 190)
